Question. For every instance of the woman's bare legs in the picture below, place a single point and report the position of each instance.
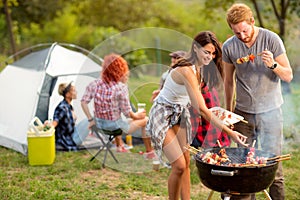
(119, 141)
(141, 124)
(185, 183)
(147, 143)
(179, 178)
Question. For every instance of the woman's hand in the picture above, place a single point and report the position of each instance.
(140, 114)
(50, 123)
(91, 124)
(239, 138)
(154, 95)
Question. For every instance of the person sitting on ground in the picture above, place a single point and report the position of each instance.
(64, 118)
(111, 98)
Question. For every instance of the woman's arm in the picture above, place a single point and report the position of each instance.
(86, 110)
(188, 78)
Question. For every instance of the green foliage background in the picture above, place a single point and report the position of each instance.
(89, 22)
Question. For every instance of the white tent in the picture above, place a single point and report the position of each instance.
(29, 88)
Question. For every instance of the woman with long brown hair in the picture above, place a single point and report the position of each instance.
(169, 118)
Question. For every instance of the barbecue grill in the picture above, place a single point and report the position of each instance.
(237, 179)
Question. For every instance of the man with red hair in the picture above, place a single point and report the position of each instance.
(255, 62)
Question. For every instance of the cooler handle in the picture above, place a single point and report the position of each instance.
(39, 123)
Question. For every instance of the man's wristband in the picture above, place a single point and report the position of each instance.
(273, 66)
(89, 120)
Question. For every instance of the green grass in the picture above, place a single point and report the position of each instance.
(73, 176)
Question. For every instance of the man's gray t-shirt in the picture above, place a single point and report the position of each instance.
(258, 88)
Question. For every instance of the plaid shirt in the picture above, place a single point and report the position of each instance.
(206, 135)
(65, 127)
(110, 99)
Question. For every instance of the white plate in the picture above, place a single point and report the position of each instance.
(226, 116)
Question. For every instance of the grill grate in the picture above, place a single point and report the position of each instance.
(237, 156)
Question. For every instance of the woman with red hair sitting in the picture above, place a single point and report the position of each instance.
(111, 98)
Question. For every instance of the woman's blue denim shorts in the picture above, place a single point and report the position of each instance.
(113, 125)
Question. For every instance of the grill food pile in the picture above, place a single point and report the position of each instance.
(221, 158)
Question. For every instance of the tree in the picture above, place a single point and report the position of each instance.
(281, 13)
(7, 13)
(282, 10)
(37, 11)
(20, 12)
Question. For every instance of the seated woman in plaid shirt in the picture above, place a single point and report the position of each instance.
(111, 99)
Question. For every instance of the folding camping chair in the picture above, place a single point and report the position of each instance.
(106, 145)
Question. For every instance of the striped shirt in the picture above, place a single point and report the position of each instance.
(110, 99)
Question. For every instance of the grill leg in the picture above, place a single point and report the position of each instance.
(227, 197)
(267, 195)
(210, 195)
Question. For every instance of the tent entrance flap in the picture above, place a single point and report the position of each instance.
(42, 111)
